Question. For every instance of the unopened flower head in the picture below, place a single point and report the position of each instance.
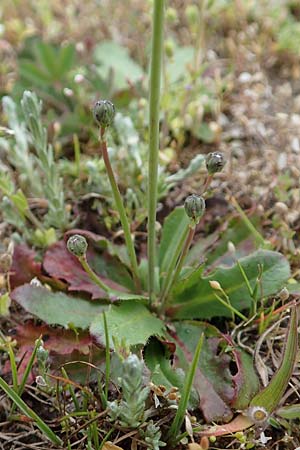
(77, 245)
(104, 113)
(215, 285)
(215, 162)
(194, 206)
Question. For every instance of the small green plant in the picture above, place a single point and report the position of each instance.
(154, 305)
(130, 410)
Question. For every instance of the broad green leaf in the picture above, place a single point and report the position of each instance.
(157, 359)
(196, 299)
(174, 228)
(235, 231)
(57, 308)
(130, 321)
(111, 57)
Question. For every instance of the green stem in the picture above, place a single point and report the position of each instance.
(154, 96)
(230, 307)
(107, 359)
(187, 244)
(92, 275)
(120, 207)
(172, 265)
(207, 183)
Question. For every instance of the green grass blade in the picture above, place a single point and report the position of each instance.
(271, 395)
(107, 359)
(179, 417)
(27, 371)
(13, 366)
(30, 413)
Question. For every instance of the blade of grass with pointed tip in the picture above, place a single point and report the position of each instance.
(30, 413)
(271, 395)
(179, 417)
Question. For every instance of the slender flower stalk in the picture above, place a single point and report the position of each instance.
(168, 280)
(194, 206)
(77, 245)
(85, 265)
(120, 207)
(154, 96)
(173, 279)
(187, 244)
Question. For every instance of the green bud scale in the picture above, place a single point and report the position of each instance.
(77, 245)
(215, 162)
(104, 113)
(194, 206)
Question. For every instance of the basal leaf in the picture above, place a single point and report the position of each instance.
(56, 308)
(197, 300)
(59, 263)
(130, 322)
(58, 341)
(24, 266)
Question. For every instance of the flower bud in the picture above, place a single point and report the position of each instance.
(215, 285)
(104, 113)
(215, 162)
(77, 245)
(194, 206)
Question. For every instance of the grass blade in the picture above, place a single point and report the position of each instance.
(271, 395)
(179, 417)
(30, 413)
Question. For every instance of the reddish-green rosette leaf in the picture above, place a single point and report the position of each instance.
(59, 263)
(24, 266)
(225, 378)
(58, 341)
